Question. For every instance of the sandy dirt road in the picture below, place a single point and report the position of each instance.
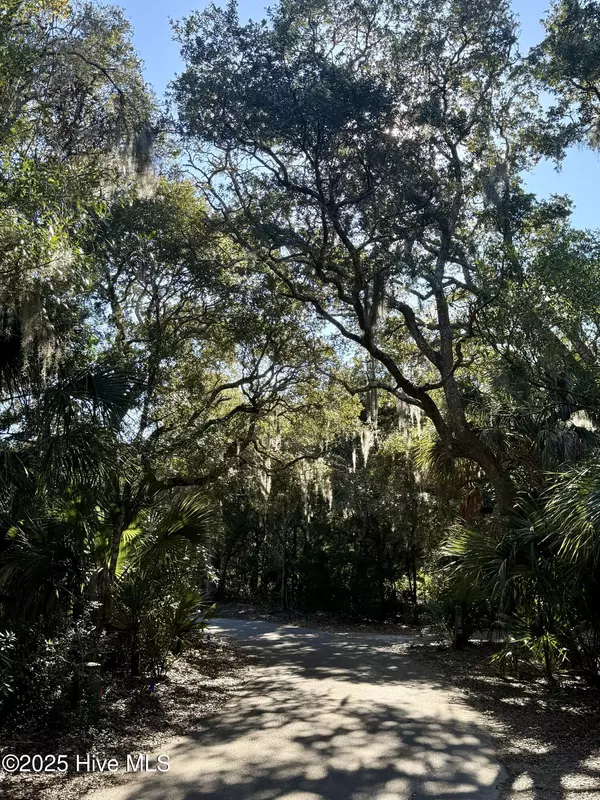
(327, 715)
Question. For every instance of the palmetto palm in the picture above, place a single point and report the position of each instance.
(158, 607)
(67, 463)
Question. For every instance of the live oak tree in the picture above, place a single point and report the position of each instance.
(212, 356)
(567, 63)
(74, 105)
(369, 154)
(292, 346)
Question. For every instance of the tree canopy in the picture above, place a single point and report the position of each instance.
(301, 335)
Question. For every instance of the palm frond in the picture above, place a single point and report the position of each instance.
(103, 393)
(167, 529)
(574, 513)
(83, 456)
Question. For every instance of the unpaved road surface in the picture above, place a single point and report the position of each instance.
(327, 715)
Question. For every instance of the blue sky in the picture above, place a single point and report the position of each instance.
(580, 173)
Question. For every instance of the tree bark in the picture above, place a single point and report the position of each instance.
(284, 598)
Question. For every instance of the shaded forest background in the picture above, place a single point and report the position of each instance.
(295, 335)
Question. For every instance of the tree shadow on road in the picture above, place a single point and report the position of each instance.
(346, 717)
(332, 716)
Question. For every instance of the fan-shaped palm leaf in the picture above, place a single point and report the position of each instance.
(102, 393)
(574, 513)
(189, 519)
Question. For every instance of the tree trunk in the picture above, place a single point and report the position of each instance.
(284, 598)
(381, 575)
(220, 593)
(259, 533)
(292, 596)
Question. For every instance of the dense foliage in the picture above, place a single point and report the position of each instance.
(303, 338)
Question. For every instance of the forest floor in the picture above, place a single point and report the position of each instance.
(132, 721)
(548, 738)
